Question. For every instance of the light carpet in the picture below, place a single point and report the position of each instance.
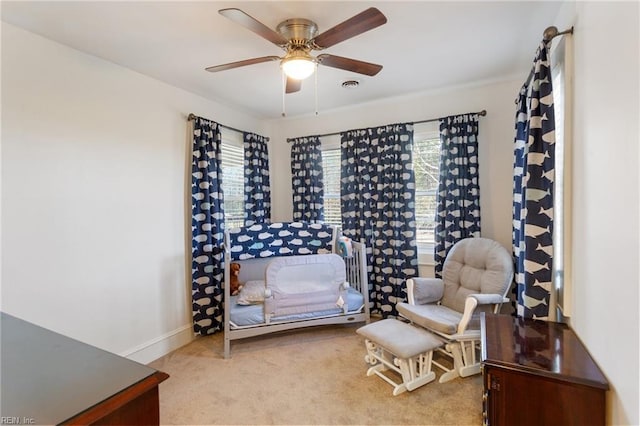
(314, 376)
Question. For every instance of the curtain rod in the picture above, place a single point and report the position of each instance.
(480, 113)
(549, 34)
(192, 116)
(552, 32)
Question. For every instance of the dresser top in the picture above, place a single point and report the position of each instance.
(48, 378)
(542, 348)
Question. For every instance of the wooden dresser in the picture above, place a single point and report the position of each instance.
(538, 373)
(48, 378)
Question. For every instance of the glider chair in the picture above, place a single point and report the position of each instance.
(476, 275)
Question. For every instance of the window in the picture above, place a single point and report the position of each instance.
(426, 160)
(331, 185)
(233, 180)
(561, 57)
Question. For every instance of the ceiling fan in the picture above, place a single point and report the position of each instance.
(298, 37)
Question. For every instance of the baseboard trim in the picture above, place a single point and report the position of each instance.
(160, 346)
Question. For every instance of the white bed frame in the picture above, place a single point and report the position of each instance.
(356, 276)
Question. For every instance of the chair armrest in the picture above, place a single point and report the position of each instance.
(489, 298)
(421, 291)
(472, 301)
(469, 306)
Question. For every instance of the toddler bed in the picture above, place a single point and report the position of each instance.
(291, 278)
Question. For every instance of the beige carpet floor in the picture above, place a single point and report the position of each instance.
(314, 376)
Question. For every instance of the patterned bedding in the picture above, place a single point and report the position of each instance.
(280, 239)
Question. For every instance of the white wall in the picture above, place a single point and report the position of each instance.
(495, 140)
(94, 160)
(605, 196)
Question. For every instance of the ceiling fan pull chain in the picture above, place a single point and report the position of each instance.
(284, 85)
(316, 88)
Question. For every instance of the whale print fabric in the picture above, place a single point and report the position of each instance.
(257, 190)
(306, 179)
(377, 192)
(280, 239)
(458, 196)
(533, 179)
(207, 227)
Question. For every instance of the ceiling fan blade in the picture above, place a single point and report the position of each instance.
(293, 85)
(238, 64)
(349, 64)
(362, 22)
(252, 24)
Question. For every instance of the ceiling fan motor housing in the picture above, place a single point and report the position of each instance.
(298, 31)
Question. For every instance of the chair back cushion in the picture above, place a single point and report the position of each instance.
(472, 266)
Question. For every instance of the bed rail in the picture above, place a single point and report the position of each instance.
(357, 272)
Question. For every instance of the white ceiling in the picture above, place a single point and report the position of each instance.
(425, 45)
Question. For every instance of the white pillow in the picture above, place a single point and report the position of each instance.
(251, 293)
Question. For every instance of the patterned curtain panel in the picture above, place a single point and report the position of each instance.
(306, 173)
(257, 191)
(207, 222)
(378, 196)
(533, 176)
(458, 197)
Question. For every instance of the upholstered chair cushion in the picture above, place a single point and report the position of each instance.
(432, 316)
(427, 290)
(472, 266)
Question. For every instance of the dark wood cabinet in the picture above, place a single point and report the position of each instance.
(48, 378)
(538, 373)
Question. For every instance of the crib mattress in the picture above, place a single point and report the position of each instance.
(251, 315)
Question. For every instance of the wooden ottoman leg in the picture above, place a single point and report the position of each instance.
(402, 348)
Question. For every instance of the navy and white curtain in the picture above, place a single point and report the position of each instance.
(207, 227)
(257, 190)
(306, 179)
(458, 197)
(378, 195)
(533, 177)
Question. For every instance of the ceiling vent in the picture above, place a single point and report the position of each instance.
(350, 84)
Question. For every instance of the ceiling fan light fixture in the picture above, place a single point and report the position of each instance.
(298, 65)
